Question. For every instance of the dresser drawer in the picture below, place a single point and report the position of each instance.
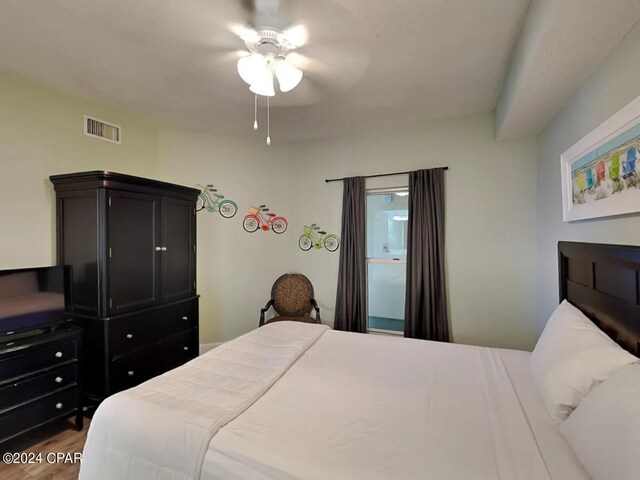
(162, 357)
(25, 390)
(60, 404)
(135, 331)
(50, 357)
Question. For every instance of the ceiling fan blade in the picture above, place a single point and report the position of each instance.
(331, 66)
(297, 34)
(326, 34)
(266, 8)
(307, 92)
(249, 6)
(325, 20)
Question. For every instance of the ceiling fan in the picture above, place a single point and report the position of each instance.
(278, 48)
(268, 49)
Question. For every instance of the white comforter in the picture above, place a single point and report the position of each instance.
(162, 428)
(348, 406)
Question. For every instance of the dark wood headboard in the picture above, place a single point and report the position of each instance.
(604, 282)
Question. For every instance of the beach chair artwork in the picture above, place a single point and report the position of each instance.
(602, 171)
(591, 181)
(581, 182)
(614, 168)
(629, 165)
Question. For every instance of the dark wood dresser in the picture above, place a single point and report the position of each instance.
(39, 381)
(132, 244)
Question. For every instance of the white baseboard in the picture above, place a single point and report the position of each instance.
(205, 347)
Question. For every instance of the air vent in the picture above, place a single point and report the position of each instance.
(106, 131)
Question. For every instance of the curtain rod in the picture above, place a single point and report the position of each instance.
(380, 175)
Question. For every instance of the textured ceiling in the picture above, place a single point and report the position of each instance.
(369, 63)
(562, 43)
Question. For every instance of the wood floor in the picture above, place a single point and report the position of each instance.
(61, 437)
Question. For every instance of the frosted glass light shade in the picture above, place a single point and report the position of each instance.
(251, 67)
(288, 76)
(263, 84)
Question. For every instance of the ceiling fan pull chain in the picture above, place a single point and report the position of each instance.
(255, 113)
(268, 122)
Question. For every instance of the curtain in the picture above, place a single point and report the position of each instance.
(351, 299)
(426, 295)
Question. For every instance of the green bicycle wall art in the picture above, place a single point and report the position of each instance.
(312, 236)
(210, 199)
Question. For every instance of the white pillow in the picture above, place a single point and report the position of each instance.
(571, 357)
(604, 430)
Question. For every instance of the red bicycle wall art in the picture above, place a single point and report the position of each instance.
(260, 217)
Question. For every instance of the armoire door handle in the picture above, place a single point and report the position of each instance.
(158, 249)
(164, 249)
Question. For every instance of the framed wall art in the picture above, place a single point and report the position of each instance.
(601, 173)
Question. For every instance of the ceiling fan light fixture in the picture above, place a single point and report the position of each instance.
(252, 67)
(288, 76)
(263, 84)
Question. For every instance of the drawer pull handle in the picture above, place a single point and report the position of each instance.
(131, 373)
(58, 354)
(186, 349)
(58, 379)
(185, 318)
(59, 405)
(129, 336)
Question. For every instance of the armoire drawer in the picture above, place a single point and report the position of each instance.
(46, 358)
(23, 391)
(159, 358)
(134, 331)
(60, 404)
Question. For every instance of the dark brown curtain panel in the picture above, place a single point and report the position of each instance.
(426, 296)
(351, 299)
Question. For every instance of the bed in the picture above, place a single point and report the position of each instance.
(292, 400)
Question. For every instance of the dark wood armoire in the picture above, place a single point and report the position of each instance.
(131, 243)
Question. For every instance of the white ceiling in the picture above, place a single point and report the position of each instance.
(373, 62)
(562, 43)
(368, 63)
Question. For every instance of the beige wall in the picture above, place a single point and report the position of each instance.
(235, 269)
(611, 87)
(490, 204)
(490, 227)
(40, 135)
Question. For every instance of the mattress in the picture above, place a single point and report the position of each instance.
(293, 400)
(370, 407)
(161, 429)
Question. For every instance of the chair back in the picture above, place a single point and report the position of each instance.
(292, 294)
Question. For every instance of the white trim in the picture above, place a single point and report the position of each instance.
(382, 260)
(386, 190)
(623, 120)
(380, 331)
(205, 347)
(386, 260)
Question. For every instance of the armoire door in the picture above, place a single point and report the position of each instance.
(133, 251)
(178, 226)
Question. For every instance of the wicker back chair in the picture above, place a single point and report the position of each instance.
(292, 299)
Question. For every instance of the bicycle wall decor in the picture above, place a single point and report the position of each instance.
(312, 236)
(259, 217)
(210, 199)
